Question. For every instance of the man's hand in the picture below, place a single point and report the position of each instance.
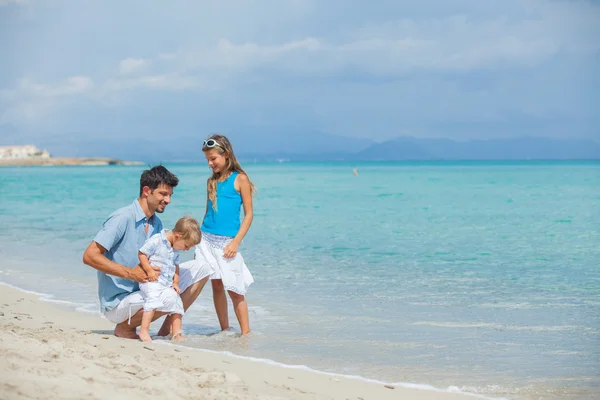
(138, 274)
(154, 274)
(176, 287)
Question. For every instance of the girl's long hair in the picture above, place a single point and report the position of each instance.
(223, 147)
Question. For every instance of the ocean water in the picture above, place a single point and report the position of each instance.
(475, 275)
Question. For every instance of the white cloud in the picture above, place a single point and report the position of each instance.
(29, 101)
(130, 65)
(6, 2)
(235, 47)
(168, 82)
(397, 47)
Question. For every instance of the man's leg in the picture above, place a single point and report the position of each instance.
(126, 329)
(127, 315)
(188, 297)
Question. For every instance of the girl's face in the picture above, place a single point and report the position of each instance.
(216, 161)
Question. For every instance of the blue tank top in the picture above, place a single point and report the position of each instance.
(226, 220)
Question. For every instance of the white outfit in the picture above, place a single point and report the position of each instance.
(160, 295)
(232, 271)
(190, 272)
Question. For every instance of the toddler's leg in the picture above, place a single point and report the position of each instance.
(176, 328)
(145, 327)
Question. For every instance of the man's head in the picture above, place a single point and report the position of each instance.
(156, 186)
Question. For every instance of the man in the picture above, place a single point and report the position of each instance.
(114, 253)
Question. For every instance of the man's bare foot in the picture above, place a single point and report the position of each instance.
(123, 330)
(246, 333)
(145, 337)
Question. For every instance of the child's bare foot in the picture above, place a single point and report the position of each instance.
(178, 337)
(145, 336)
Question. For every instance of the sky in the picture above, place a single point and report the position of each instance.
(378, 69)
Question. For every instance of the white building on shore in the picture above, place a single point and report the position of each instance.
(22, 152)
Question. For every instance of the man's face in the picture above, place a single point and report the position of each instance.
(159, 198)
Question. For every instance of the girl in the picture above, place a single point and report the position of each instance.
(227, 190)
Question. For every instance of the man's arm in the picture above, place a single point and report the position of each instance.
(95, 258)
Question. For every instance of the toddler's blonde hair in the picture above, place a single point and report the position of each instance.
(189, 229)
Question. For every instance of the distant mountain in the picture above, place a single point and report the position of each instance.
(188, 148)
(520, 148)
(295, 145)
(408, 148)
(393, 150)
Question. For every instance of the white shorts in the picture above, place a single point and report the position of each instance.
(190, 272)
(232, 271)
(161, 298)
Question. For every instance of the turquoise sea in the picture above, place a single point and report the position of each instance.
(481, 276)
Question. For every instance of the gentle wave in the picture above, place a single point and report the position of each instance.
(503, 327)
(450, 389)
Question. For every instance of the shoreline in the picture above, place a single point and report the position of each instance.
(48, 349)
(65, 161)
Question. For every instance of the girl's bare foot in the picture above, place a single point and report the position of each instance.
(145, 336)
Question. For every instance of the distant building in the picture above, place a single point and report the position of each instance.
(22, 152)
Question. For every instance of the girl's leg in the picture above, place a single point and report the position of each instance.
(220, 300)
(145, 327)
(241, 311)
(176, 327)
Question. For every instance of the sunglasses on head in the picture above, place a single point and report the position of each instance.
(211, 143)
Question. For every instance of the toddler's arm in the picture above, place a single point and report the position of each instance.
(145, 263)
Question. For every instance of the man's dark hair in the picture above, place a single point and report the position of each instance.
(156, 176)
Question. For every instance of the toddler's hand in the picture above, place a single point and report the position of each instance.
(176, 288)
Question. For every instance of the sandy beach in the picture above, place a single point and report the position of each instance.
(51, 352)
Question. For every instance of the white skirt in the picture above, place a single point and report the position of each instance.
(232, 271)
(161, 298)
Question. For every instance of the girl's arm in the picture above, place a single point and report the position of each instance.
(246, 192)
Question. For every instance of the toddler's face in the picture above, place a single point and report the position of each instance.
(180, 244)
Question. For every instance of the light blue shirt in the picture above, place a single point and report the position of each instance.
(161, 254)
(123, 234)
